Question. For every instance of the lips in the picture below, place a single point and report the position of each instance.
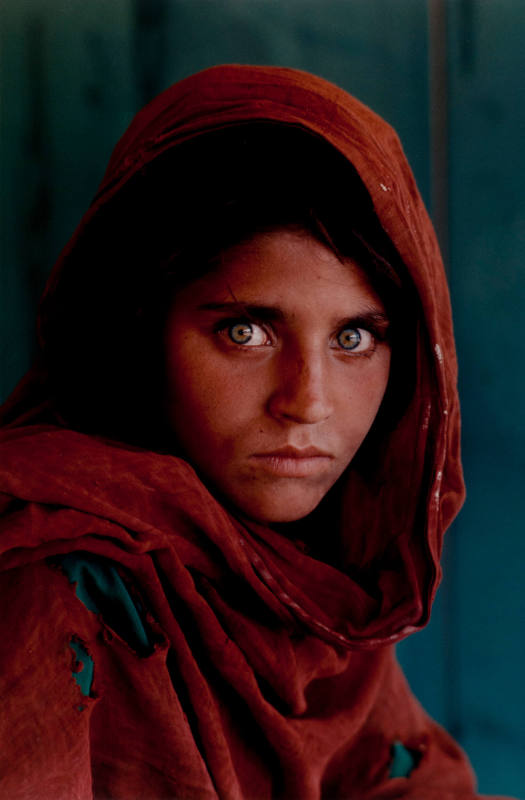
(294, 462)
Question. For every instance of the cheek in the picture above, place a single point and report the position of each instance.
(379, 380)
(205, 405)
(365, 395)
(190, 395)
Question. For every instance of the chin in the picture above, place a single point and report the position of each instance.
(267, 510)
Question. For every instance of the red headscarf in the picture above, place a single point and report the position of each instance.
(270, 672)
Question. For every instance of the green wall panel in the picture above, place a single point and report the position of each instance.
(67, 94)
(487, 249)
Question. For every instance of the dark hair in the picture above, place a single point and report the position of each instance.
(102, 328)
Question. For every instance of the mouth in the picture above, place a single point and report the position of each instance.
(293, 462)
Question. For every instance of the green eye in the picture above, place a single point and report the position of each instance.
(240, 333)
(349, 338)
(243, 332)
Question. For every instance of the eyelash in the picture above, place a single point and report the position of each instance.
(224, 326)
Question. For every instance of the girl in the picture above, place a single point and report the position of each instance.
(227, 479)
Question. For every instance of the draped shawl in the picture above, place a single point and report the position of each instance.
(155, 646)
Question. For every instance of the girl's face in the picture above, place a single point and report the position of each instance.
(277, 363)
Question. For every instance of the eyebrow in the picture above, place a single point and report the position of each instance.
(367, 316)
(266, 313)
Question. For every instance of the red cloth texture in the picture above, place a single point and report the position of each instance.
(273, 674)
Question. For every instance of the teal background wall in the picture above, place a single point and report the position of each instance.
(449, 75)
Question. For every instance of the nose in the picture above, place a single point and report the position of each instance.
(302, 393)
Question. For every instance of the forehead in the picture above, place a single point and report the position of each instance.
(288, 269)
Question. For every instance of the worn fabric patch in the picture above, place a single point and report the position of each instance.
(100, 587)
(403, 761)
(84, 673)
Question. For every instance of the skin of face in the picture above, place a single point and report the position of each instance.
(277, 362)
